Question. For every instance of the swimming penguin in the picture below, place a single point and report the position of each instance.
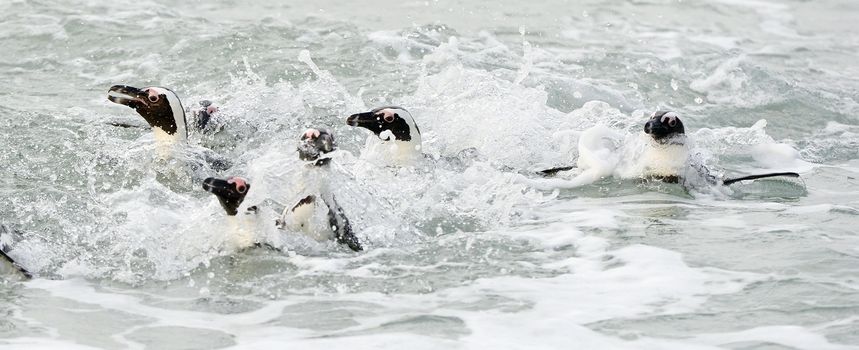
(398, 138)
(667, 157)
(159, 106)
(664, 157)
(204, 114)
(163, 111)
(231, 192)
(7, 261)
(314, 147)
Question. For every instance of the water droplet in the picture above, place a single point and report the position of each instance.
(699, 100)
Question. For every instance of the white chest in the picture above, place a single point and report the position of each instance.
(664, 160)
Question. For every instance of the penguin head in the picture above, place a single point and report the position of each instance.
(388, 123)
(314, 143)
(664, 126)
(204, 113)
(230, 192)
(159, 106)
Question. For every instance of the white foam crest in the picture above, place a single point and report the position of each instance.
(795, 337)
(431, 193)
(508, 123)
(160, 236)
(730, 83)
(780, 157)
(332, 92)
(602, 292)
(602, 284)
(769, 153)
(400, 42)
(250, 101)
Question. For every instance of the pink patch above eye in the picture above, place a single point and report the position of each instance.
(240, 183)
(387, 115)
(311, 134)
(153, 95)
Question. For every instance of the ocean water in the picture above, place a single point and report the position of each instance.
(467, 248)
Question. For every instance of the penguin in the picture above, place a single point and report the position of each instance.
(666, 158)
(315, 146)
(7, 261)
(397, 136)
(667, 154)
(231, 193)
(163, 111)
(159, 106)
(204, 114)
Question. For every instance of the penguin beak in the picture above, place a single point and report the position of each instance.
(229, 193)
(367, 120)
(127, 95)
(360, 119)
(655, 129)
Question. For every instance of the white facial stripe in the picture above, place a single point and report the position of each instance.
(387, 135)
(178, 110)
(413, 129)
(667, 117)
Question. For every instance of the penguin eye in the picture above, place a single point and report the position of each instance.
(241, 188)
(390, 118)
(672, 122)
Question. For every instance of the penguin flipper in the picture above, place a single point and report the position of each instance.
(341, 226)
(301, 211)
(21, 269)
(129, 125)
(267, 246)
(728, 182)
(553, 171)
(10, 260)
